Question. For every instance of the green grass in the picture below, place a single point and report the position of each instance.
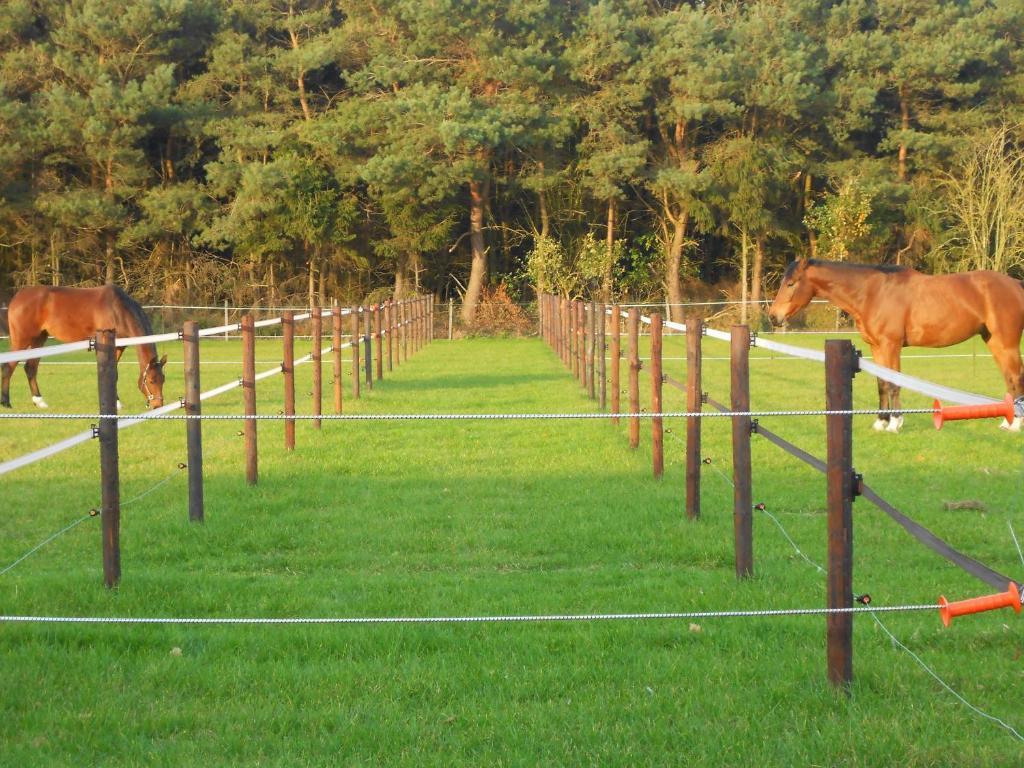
(482, 518)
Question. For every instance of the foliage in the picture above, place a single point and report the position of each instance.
(499, 315)
(342, 146)
(841, 220)
(983, 197)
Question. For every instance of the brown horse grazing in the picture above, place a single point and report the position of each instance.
(75, 314)
(896, 307)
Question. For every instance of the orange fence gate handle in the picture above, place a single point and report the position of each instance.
(1008, 599)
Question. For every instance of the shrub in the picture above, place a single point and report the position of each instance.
(498, 315)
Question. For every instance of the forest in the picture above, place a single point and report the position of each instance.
(264, 151)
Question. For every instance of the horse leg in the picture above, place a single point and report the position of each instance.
(888, 393)
(895, 422)
(883, 406)
(31, 368)
(1007, 357)
(117, 359)
(6, 371)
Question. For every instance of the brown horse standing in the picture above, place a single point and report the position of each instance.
(896, 307)
(75, 314)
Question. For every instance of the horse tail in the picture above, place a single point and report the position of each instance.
(135, 309)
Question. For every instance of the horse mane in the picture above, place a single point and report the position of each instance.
(887, 269)
(135, 309)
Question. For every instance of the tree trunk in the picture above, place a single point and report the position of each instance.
(401, 265)
(905, 125)
(478, 267)
(108, 277)
(673, 263)
(812, 239)
(755, 280)
(311, 266)
(609, 264)
(743, 277)
(545, 217)
(54, 259)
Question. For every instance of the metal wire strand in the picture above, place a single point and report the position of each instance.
(448, 416)
(82, 519)
(763, 613)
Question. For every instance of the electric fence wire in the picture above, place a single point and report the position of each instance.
(92, 513)
(874, 615)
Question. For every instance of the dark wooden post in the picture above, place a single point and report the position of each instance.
(616, 352)
(840, 365)
(110, 480)
(378, 339)
(389, 321)
(368, 346)
(633, 330)
(581, 349)
(566, 331)
(574, 359)
(602, 367)
(288, 369)
(356, 341)
(336, 348)
(592, 362)
(193, 427)
(742, 498)
(694, 332)
(657, 425)
(249, 397)
(316, 321)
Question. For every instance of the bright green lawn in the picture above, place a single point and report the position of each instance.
(475, 518)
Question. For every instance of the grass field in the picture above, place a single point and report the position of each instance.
(486, 518)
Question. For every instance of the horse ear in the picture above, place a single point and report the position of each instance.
(163, 361)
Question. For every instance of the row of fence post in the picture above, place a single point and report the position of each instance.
(564, 329)
(409, 320)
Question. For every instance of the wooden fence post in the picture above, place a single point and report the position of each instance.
(451, 318)
(110, 480)
(316, 321)
(616, 352)
(633, 329)
(742, 498)
(694, 400)
(581, 349)
(288, 369)
(249, 397)
(356, 341)
(840, 366)
(368, 346)
(378, 338)
(602, 325)
(336, 349)
(389, 321)
(592, 362)
(657, 425)
(193, 427)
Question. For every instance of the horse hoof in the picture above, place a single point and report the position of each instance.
(895, 424)
(880, 425)
(1013, 426)
(40, 403)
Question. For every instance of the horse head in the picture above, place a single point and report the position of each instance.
(795, 293)
(151, 382)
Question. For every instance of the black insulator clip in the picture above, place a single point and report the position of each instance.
(94, 512)
(92, 344)
(760, 506)
(95, 430)
(753, 426)
(706, 460)
(857, 486)
(668, 430)
(240, 433)
(704, 398)
(864, 599)
(182, 465)
(857, 355)
(181, 401)
(753, 338)
(181, 335)
(664, 378)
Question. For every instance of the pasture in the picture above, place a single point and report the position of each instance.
(488, 518)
